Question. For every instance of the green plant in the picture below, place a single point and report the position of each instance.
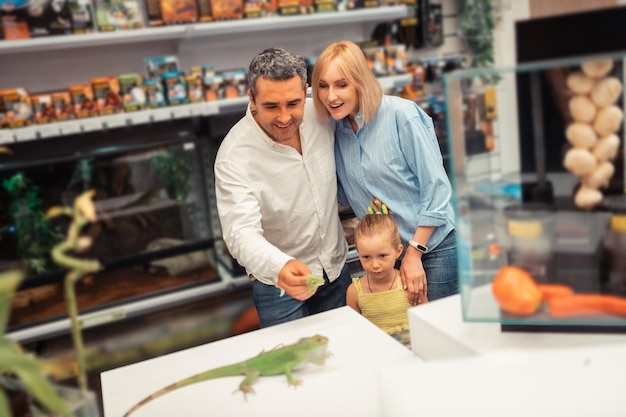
(14, 362)
(34, 233)
(476, 22)
(81, 213)
(173, 171)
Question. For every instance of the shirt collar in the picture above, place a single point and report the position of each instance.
(345, 122)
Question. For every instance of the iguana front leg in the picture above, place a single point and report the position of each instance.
(293, 382)
(252, 374)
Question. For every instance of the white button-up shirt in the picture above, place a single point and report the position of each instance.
(276, 205)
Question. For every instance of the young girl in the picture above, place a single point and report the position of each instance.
(379, 295)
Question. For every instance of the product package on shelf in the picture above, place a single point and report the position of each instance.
(14, 26)
(179, 11)
(260, 8)
(205, 12)
(112, 15)
(43, 110)
(211, 82)
(356, 4)
(81, 96)
(175, 86)
(396, 59)
(49, 17)
(233, 83)
(375, 56)
(155, 93)
(365, 4)
(15, 108)
(432, 23)
(322, 6)
(82, 16)
(227, 9)
(156, 66)
(307, 6)
(410, 30)
(195, 89)
(106, 91)
(62, 105)
(154, 17)
(133, 92)
(288, 7)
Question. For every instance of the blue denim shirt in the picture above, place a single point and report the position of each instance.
(396, 158)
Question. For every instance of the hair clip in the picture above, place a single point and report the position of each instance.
(377, 207)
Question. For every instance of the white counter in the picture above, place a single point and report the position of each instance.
(347, 385)
(476, 370)
(463, 369)
(439, 332)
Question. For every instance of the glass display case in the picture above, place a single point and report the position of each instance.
(537, 165)
(155, 235)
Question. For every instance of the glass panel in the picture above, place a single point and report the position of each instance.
(152, 235)
(537, 157)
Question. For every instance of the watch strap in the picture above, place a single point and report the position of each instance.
(418, 246)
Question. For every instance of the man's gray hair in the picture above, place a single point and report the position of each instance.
(276, 64)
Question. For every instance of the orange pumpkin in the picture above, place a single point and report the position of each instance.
(516, 291)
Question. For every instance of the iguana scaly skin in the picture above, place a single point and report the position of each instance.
(280, 360)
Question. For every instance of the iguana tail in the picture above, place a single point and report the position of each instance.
(228, 370)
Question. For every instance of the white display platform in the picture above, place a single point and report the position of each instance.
(439, 332)
(476, 370)
(570, 382)
(347, 385)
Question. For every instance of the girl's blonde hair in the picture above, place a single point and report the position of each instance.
(350, 61)
(378, 224)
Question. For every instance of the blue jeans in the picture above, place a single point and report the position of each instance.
(441, 269)
(274, 309)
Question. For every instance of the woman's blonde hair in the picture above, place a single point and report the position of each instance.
(350, 61)
(376, 225)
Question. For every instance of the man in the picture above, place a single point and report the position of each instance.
(277, 194)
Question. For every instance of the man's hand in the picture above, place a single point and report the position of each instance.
(414, 278)
(293, 279)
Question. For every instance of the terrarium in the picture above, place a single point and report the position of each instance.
(537, 165)
(154, 235)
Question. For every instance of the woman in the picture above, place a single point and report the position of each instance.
(386, 149)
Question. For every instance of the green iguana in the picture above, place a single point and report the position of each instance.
(280, 360)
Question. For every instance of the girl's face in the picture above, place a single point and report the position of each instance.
(378, 256)
(338, 96)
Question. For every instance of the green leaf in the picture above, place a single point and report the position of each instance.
(9, 281)
(4, 405)
(31, 373)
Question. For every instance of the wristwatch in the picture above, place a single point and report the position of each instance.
(418, 246)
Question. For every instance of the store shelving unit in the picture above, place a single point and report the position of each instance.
(203, 109)
(197, 30)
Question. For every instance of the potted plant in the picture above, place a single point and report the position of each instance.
(21, 370)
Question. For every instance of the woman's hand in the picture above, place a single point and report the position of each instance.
(414, 277)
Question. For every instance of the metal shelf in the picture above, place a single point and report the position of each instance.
(199, 30)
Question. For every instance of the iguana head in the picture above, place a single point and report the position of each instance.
(316, 347)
